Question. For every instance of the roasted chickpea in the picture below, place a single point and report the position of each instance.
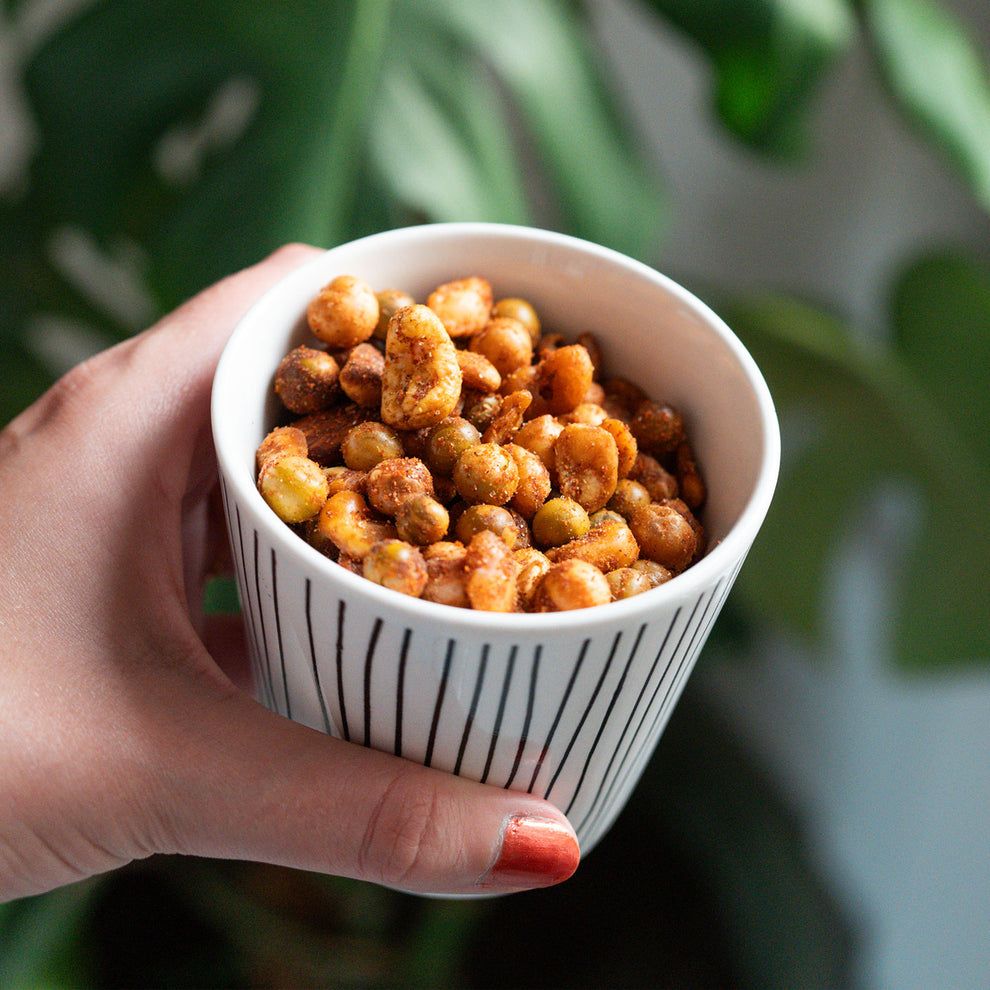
(628, 495)
(563, 377)
(369, 443)
(325, 430)
(509, 418)
(389, 300)
(306, 380)
(534, 481)
(490, 572)
(294, 487)
(397, 565)
(422, 520)
(505, 342)
(495, 518)
(521, 310)
(585, 412)
(361, 376)
(421, 381)
(689, 480)
(392, 481)
(664, 535)
(623, 398)
(587, 462)
(347, 522)
(447, 441)
(571, 584)
(478, 373)
(344, 312)
(590, 343)
(487, 473)
(532, 566)
(445, 582)
(655, 573)
(463, 305)
(625, 443)
(558, 521)
(654, 477)
(343, 479)
(624, 582)
(280, 441)
(540, 435)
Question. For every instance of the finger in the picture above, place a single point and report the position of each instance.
(281, 793)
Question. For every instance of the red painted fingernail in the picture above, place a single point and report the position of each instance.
(536, 852)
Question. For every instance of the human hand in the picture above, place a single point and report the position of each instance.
(122, 732)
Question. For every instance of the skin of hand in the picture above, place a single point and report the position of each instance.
(123, 732)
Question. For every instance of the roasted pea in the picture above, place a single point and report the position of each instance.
(495, 518)
(628, 495)
(397, 565)
(389, 300)
(486, 473)
(558, 521)
(664, 535)
(447, 441)
(422, 520)
(658, 428)
(295, 487)
(624, 582)
(369, 443)
(521, 310)
(480, 410)
(361, 376)
(306, 380)
(392, 481)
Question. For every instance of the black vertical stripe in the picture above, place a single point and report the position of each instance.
(278, 635)
(524, 737)
(560, 711)
(269, 683)
(501, 712)
(248, 604)
(625, 729)
(587, 712)
(400, 690)
(620, 684)
(344, 727)
(475, 697)
(448, 659)
(368, 659)
(312, 656)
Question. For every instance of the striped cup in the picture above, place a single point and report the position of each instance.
(567, 705)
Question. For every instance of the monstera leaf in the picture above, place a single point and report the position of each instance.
(856, 416)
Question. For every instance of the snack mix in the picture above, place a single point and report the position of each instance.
(456, 452)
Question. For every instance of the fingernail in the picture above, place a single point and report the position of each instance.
(535, 852)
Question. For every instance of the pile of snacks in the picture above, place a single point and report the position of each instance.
(456, 452)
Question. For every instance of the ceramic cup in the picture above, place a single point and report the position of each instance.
(567, 705)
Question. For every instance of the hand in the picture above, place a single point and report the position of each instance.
(122, 732)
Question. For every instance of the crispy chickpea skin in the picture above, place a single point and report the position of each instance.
(347, 522)
(294, 487)
(664, 535)
(280, 441)
(421, 381)
(344, 312)
(505, 342)
(490, 572)
(306, 380)
(397, 565)
(609, 544)
(361, 376)
(487, 473)
(445, 582)
(392, 481)
(463, 305)
(587, 463)
(571, 584)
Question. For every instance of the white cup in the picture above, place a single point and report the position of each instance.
(566, 705)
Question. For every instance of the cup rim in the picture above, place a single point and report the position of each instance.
(719, 560)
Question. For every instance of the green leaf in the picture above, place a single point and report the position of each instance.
(855, 416)
(590, 160)
(933, 66)
(768, 57)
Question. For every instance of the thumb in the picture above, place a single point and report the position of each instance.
(275, 791)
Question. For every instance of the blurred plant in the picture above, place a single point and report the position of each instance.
(177, 141)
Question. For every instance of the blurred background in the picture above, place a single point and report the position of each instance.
(817, 170)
